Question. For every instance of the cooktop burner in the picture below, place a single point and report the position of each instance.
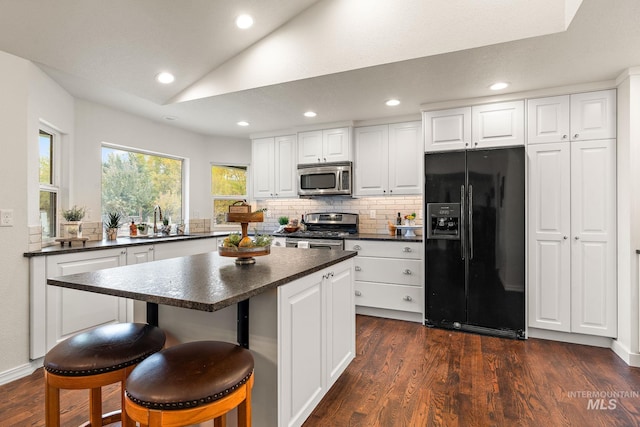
(326, 225)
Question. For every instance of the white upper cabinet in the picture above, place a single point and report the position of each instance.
(482, 126)
(577, 117)
(498, 125)
(328, 145)
(548, 119)
(371, 160)
(388, 159)
(274, 168)
(593, 115)
(447, 129)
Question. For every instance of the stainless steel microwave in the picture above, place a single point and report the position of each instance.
(325, 179)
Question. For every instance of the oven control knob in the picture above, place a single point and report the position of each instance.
(407, 271)
(358, 268)
(408, 298)
(358, 293)
(406, 249)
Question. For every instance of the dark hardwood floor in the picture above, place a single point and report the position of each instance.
(406, 374)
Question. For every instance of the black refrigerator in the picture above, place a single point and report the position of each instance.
(475, 241)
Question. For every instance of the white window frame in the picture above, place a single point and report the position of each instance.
(56, 176)
(224, 227)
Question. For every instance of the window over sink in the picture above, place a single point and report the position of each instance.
(136, 181)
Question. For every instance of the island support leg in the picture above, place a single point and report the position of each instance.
(242, 326)
(152, 313)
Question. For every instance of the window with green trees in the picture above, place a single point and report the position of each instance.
(49, 186)
(228, 184)
(133, 183)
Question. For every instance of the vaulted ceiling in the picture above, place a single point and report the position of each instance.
(340, 58)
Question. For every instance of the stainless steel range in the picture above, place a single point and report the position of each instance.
(325, 230)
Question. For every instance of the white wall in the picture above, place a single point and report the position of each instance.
(14, 313)
(96, 124)
(628, 156)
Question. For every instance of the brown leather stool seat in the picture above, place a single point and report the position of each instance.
(93, 359)
(191, 383)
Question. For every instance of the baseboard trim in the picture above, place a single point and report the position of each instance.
(631, 359)
(19, 371)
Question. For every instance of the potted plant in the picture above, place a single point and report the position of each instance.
(72, 228)
(112, 224)
(143, 228)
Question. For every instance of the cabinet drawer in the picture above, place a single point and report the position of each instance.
(388, 270)
(407, 250)
(392, 297)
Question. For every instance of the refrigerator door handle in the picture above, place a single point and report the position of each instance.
(470, 221)
(462, 239)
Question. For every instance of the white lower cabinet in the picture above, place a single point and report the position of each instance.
(572, 237)
(316, 339)
(389, 278)
(70, 311)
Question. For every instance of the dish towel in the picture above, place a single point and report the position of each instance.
(303, 244)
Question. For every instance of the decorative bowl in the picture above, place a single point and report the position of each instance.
(291, 229)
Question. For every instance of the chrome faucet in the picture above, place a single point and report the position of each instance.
(156, 208)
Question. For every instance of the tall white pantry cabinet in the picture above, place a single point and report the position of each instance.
(572, 213)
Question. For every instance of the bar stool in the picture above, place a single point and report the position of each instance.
(96, 358)
(191, 383)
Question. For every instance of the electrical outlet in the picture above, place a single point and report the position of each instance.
(6, 217)
(268, 213)
(372, 214)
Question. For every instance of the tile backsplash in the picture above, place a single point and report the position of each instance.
(386, 209)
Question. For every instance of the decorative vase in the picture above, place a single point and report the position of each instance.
(72, 229)
(112, 233)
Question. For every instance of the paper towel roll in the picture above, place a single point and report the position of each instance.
(303, 244)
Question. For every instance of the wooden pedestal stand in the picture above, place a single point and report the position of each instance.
(244, 256)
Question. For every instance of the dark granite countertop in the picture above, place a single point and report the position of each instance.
(206, 282)
(120, 242)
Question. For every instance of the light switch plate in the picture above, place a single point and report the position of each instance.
(6, 217)
(372, 214)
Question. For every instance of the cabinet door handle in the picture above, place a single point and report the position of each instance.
(358, 268)
(577, 238)
(407, 298)
(476, 144)
(576, 135)
(564, 136)
(406, 249)
(318, 159)
(565, 237)
(325, 159)
(123, 252)
(356, 247)
(150, 249)
(408, 272)
(358, 293)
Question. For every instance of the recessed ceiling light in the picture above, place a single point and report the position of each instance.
(165, 78)
(244, 21)
(310, 114)
(392, 102)
(243, 123)
(498, 86)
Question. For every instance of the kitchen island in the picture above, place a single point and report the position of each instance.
(301, 316)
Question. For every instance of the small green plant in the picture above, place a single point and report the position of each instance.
(283, 220)
(74, 214)
(114, 220)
